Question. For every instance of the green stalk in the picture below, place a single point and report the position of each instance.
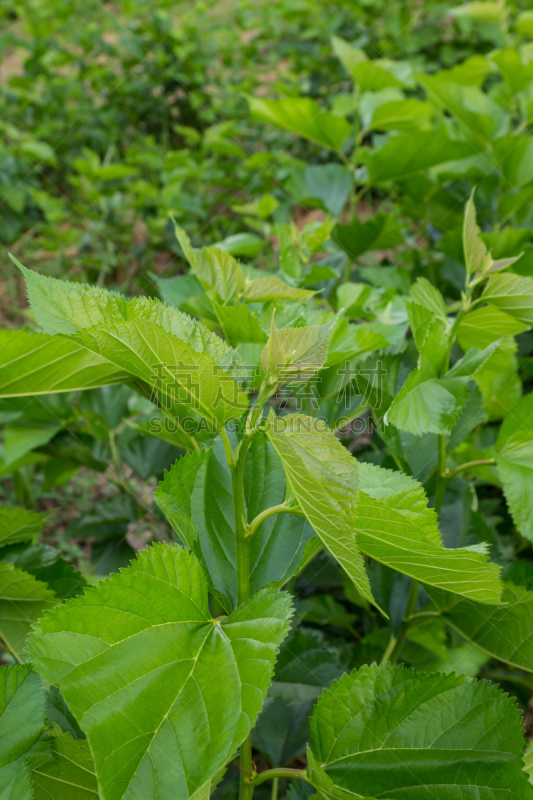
(442, 481)
(279, 772)
(242, 545)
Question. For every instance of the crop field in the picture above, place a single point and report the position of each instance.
(266, 400)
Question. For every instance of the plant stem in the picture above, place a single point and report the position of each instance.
(279, 772)
(442, 479)
(275, 787)
(388, 650)
(482, 462)
(269, 512)
(242, 546)
(406, 624)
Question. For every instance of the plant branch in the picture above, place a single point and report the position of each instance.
(280, 772)
(482, 462)
(269, 512)
(236, 462)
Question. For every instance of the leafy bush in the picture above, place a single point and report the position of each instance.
(266, 468)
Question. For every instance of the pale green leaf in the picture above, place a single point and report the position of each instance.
(273, 356)
(33, 363)
(261, 290)
(512, 294)
(20, 439)
(426, 295)
(401, 115)
(499, 380)
(369, 75)
(19, 525)
(514, 459)
(323, 477)
(69, 775)
(389, 732)
(23, 600)
(402, 493)
(164, 693)
(483, 326)
(430, 332)
(482, 10)
(428, 404)
(22, 726)
(66, 307)
(395, 528)
(477, 257)
(239, 324)
(504, 632)
(294, 354)
(181, 376)
(304, 117)
(216, 269)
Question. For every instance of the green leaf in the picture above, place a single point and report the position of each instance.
(406, 155)
(19, 525)
(499, 380)
(23, 600)
(295, 354)
(505, 632)
(66, 307)
(323, 477)
(479, 116)
(196, 496)
(513, 156)
(33, 363)
(481, 327)
(242, 244)
(517, 75)
(69, 775)
(425, 405)
(428, 404)
(329, 183)
(402, 493)
(483, 11)
(22, 727)
(369, 75)
(216, 269)
(46, 564)
(378, 233)
(392, 527)
(512, 294)
(389, 732)
(182, 377)
(26, 436)
(305, 666)
(514, 454)
(239, 324)
(159, 719)
(430, 333)
(261, 290)
(400, 115)
(425, 294)
(304, 117)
